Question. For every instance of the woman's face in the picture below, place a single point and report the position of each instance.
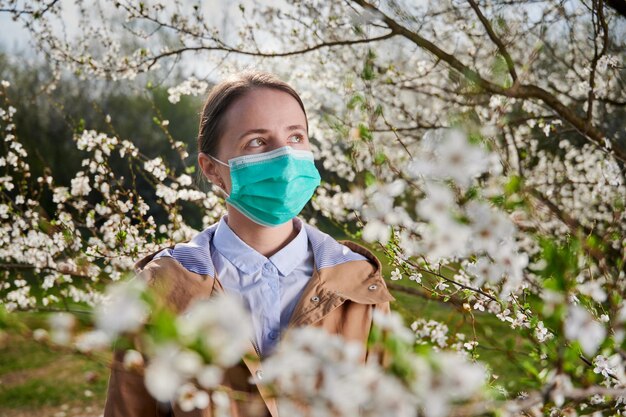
(260, 121)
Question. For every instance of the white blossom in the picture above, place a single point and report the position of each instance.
(430, 330)
(92, 340)
(542, 333)
(40, 335)
(190, 398)
(392, 322)
(447, 154)
(209, 376)
(314, 368)
(444, 378)
(580, 326)
(156, 167)
(417, 277)
(161, 378)
(376, 231)
(396, 274)
(80, 185)
(222, 325)
(191, 86)
(61, 326)
(133, 359)
(122, 309)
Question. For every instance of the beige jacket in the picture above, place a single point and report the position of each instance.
(339, 298)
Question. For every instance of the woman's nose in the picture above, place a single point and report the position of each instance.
(279, 143)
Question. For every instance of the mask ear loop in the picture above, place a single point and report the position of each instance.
(220, 162)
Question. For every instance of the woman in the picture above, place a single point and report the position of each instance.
(253, 144)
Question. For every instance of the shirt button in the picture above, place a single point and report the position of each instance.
(273, 335)
(315, 298)
(372, 287)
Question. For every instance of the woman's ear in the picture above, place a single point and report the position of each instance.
(210, 171)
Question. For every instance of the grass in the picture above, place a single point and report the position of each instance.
(35, 376)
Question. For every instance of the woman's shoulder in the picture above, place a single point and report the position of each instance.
(192, 255)
(350, 269)
(171, 281)
(329, 251)
(342, 256)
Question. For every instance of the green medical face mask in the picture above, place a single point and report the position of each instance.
(271, 188)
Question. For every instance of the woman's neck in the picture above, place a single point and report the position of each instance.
(265, 240)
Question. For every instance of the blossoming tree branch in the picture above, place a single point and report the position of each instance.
(479, 146)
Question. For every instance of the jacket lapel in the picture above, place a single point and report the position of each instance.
(357, 281)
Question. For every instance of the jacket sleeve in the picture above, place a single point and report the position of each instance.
(127, 395)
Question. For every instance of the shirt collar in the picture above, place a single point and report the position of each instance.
(294, 253)
(249, 261)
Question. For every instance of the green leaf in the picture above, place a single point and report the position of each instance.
(81, 125)
(163, 325)
(368, 73)
(593, 242)
(501, 23)
(121, 237)
(354, 101)
(514, 185)
(370, 178)
(561, 263)
(475, 138)
(364, 132)
(530, 368)
(523, 154)
(500, 71)
(471, 193)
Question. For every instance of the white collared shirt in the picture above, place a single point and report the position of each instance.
(269, 287)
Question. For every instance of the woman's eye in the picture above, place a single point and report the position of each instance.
(298, 139)
(255, 143)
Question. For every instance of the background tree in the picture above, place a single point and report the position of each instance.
(538, 87)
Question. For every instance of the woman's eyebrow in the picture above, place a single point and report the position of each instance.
(289, 128)
(251, 131)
